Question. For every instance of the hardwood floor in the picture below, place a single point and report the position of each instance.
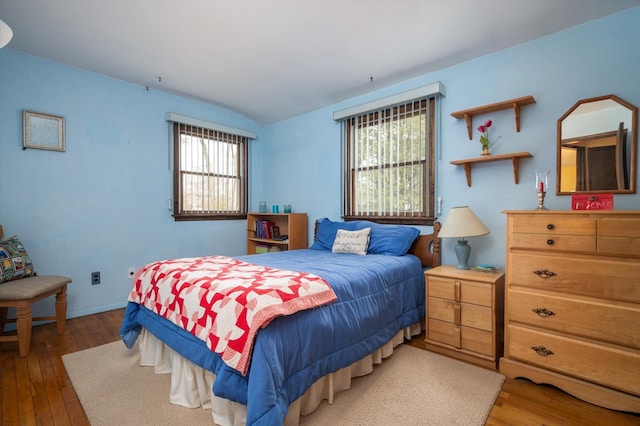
(36, 390)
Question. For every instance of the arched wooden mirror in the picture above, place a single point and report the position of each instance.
(597, 147)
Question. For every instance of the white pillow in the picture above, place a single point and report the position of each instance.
(355, 242)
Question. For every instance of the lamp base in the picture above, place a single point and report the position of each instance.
(463, 250)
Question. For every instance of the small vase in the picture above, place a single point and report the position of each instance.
(485, 151)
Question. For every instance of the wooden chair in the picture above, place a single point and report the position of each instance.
(24, 292)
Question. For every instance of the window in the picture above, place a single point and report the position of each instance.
(389, 167)
(209, 174)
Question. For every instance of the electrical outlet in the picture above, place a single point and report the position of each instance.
(95, 278)
(132, 272)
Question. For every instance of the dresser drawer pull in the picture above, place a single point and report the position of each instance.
(543, 312)
(550, 242)
(544, 273)
(550, 226)
(541, 350)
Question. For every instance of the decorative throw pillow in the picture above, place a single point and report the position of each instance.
(327, 229)
(14, 260)
(354, 242)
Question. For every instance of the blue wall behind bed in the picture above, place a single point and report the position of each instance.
(103, 204)
(594, 59)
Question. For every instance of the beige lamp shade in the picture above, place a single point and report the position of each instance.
(5, 34)
(461, 222)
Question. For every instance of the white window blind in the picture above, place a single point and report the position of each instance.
(210, 173)
(389, 162)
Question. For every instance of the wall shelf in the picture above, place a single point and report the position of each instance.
(468, 114)
(515, 158)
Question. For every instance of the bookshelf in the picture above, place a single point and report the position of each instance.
(292, 224)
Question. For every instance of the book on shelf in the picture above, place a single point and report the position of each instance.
(264, 229)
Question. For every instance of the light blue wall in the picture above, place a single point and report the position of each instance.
(102, 205)
(598, 58)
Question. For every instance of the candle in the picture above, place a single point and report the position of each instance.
(541, 186)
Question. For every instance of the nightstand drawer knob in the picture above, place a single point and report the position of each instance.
(541, 350)
(550, 242)
(550, 226)
(543, 312)
(544, 273)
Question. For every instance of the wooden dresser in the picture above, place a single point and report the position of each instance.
(572, 306)
(464, 314)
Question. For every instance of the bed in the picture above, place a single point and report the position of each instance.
(379, 300)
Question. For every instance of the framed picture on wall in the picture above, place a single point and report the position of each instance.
(43, 131)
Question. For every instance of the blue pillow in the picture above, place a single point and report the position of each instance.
(391, 240)
(326, 231)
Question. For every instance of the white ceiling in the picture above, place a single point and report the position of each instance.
(274, 59)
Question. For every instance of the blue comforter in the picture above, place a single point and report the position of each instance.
(377, 297)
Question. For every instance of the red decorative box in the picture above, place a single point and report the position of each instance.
(592, 202)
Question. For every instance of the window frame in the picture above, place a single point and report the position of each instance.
(177, 211)
(427, 215)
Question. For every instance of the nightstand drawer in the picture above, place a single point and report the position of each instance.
(587, 360)
(466, 314)
(460, 290)
(466, 338)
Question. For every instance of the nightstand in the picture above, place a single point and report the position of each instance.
(465, 314)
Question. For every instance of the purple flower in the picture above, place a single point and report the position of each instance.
(487, 124)
(482, 129)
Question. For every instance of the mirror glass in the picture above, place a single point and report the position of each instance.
(597, 144)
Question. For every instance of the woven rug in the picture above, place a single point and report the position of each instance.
(411, 387)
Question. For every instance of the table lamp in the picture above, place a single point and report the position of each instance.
(460, 223)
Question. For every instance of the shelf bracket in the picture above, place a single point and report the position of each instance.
(468, 118)
(467, 172)
(516, 172)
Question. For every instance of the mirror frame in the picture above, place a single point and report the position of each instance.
(633, 152)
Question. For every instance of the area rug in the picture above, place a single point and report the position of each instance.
(411, 387)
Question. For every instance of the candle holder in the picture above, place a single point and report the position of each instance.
(542, 183)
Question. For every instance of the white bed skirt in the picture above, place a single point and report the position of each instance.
(191, 386)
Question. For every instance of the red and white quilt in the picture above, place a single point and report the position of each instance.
(224, 301)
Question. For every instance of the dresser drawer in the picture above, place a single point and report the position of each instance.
(583, 244)
(466, 338)
(615, 227)
(554, 225)
(600, 364)
(622, 246)
(466, 314)
(619, 236)
(613, 322)
(460, 290)
(590, 276)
